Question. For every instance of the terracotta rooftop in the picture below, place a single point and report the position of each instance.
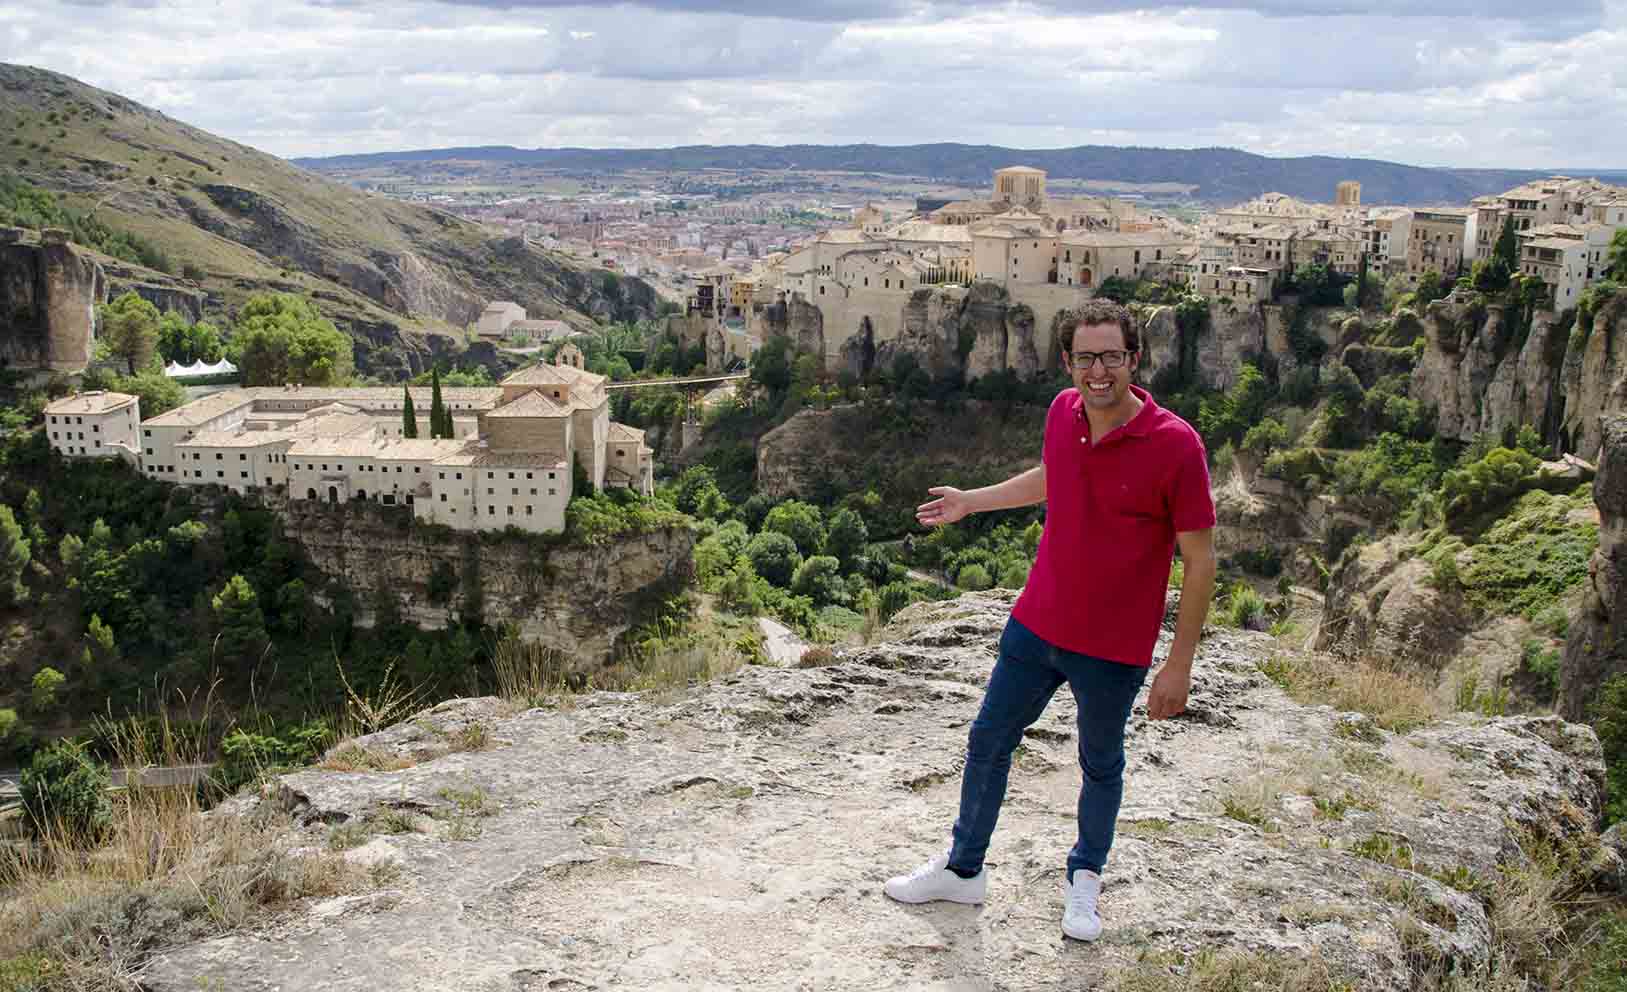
(533, 404)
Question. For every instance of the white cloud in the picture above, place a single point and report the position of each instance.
(1418, 83)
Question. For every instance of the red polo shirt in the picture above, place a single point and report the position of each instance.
(1112, 511)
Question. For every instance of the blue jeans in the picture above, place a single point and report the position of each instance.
(1026, 676)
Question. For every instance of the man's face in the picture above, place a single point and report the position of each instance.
(1103, 388)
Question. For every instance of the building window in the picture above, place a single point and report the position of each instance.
(149, 450)
(443, 497)
(220, 475)
(143, 433)
(491, 492)
(528, 475)
(442, 475)
(491, 475)
(550, 476)
(533, 492)
(242, 457)
(491, 511)
(511, 475)
(511, 511)
(459, 475)
(219, 456)
(528, 510)
(243, 474)
(552, 492)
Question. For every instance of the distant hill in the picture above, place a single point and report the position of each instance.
(1221, 175)
(397, 276)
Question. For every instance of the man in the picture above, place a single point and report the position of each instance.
(1124, 482)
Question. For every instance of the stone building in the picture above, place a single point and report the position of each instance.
(1436, 243)
(495, 319)
(510, 462)
(1567, 257)
(96, 424)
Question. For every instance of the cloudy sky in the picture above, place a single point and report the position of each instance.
(1442, 82)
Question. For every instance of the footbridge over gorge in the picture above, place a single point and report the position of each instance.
(692, 386)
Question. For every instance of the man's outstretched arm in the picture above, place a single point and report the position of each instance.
(1170, 686)
(1023, 489)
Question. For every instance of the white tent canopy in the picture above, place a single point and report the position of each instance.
(177, 371)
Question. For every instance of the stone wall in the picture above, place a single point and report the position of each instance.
(578, 599)
(49, 290)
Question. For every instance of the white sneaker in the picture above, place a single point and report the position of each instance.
(934, 882)
(1079, 919)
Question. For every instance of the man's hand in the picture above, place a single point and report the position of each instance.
(1168, 694)
(950, 506)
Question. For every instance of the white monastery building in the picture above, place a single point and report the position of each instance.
(509, 463)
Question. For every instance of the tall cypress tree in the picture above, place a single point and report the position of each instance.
(437, 409)
(1508, 246)
(409, 416)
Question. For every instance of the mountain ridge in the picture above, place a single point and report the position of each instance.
(1218, 174)
(401, 279)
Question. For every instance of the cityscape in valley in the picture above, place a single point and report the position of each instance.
(524, 549)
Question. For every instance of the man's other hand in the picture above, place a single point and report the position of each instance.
(1167, 697)
(949, 507)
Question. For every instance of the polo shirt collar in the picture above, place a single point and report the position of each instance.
(1139, 425)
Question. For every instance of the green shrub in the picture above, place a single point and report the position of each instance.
(1610, 723)
(64, 794)
(974, 577)
(1244, 608)
(244, 757)
(1542, 664)
(774, 556)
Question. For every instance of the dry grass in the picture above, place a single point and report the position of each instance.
(88, 919)
(1228, 971)
(352, 757)
(530, 674)
(1395, 700)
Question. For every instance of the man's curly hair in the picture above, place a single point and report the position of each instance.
(1098, 311)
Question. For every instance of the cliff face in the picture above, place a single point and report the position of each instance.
(577, 599)
(1596, 648)
(1480, 376)
(49, 290)
(853, 449)
(773, 803)
(1594, 376)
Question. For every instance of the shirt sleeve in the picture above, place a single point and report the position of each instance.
(1192, 504)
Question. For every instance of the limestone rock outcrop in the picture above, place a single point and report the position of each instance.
(935, 319)
(800, 323)
(49, 290)
(858, 354)
(1596, 646)
(1382, 602)
(578, 599)
(736, 836)
(1479, 375)
(1595, 377)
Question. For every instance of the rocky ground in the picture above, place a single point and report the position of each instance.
(736, 836)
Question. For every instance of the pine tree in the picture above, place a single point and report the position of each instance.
(15, 553)
(437, 409)
(1508, 247)
(242, 625)
(409, 416)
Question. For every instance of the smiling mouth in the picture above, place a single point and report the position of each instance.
(1099, 388)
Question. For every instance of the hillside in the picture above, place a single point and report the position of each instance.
(1221, 175)
(236, 220)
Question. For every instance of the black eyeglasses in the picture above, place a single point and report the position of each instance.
(1110, 359)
